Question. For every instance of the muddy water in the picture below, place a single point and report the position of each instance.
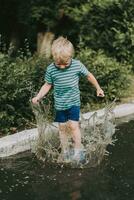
(23, 177)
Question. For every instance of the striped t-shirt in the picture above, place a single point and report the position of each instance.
(66, 83)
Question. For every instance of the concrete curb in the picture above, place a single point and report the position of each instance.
(24, 140)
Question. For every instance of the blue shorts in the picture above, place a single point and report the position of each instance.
(72, 113)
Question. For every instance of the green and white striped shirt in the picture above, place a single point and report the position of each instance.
(66, 83)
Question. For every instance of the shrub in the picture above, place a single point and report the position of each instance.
(19, 79)
(107, 25)
(111, 75)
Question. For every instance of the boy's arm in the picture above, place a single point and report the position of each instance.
(43, 91)
(95, 83)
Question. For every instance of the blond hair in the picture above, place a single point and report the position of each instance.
(62, 50)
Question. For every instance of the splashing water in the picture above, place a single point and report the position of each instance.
(96, 131)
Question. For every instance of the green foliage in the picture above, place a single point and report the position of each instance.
(99, 24)
(111, 75)
(19, 79)
(107, 25)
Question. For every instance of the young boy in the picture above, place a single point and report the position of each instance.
(63, 75)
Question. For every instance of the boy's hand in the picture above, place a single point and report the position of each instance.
(35, 100)
(100, 92)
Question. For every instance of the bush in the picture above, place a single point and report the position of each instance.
(107, 25)
(19, 79)
(111, 75)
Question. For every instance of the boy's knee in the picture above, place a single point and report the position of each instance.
(73, 125)
(62, 127)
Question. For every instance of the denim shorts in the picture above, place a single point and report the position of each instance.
(72, 113)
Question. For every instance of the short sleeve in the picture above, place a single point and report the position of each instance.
(83, 70)
(48, 77)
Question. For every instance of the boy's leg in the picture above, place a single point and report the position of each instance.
(63, 136)
(76, 134)
(79, 154)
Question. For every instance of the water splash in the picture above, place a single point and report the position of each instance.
(97, 132)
